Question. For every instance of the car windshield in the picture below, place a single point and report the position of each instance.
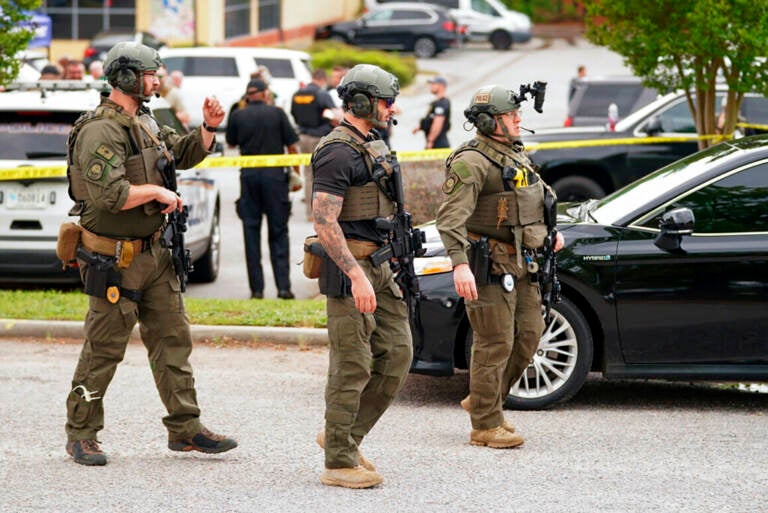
(30, 135)
(612, 208)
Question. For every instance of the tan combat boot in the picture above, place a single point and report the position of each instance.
(356, 477)
(366, 463)
(505, 424)
(496, 438)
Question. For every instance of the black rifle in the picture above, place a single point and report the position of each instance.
(550, 285)
(176, 225)
(404, 241)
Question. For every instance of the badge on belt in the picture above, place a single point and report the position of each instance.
(507, 282)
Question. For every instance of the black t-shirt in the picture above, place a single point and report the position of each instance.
(260, 129)
(441, 107)
(309, 117)
(336, 167)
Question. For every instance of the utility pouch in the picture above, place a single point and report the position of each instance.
(333, 282)
(66, 244)
(101, 278)
(480, 260)
(313, 257)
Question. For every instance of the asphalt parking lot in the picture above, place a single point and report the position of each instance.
(616, 447)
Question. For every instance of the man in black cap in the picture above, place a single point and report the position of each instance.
(262, 129)
(437, 122)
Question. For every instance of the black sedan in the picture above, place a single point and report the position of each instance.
(665, 278)
(423, 29)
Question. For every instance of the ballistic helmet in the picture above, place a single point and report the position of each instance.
(125, 65)
(488, 102)
(360, 88)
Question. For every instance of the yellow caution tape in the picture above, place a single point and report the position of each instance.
(302, 159)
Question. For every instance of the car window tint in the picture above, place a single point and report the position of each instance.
(597, 97)
(203, 66)
(410, 15)
(383, 15)
(677, 119)
(29, 135)
(734, 204)
(484, 7)
(278, 68)
(450, 4)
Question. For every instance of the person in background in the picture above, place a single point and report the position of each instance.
(177, 76)
(262, 129)
(171, 94)
(581, 72)
(75, 70)
(96, 70)
(50, 72)
(437, 122)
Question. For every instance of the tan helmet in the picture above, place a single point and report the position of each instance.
(487, 103)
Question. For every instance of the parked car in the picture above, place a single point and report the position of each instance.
(486, 21)
(588, 105)
(665, 278)
(34, 125)
(101, 43)
(603, 163)
(424, 29)
(225, 71)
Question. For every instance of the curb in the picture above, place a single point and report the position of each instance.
(200, 333)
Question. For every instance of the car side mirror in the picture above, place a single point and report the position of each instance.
(674, 224)
(653, 126)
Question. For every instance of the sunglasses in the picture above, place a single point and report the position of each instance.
(389, 102)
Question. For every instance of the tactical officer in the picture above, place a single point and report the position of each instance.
(492, 224)
(437, 122)
(313, 110)
(119, 159)
(368, 331)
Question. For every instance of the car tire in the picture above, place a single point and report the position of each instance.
(577, 188)
(561, 363)
(206, 268)
(500, 40)
(424, 48)
(338, 38)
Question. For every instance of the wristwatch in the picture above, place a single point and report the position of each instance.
(209, 128)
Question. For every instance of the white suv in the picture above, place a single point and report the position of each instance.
(34, 125)
(225, 72)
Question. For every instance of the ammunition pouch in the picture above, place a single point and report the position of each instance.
(67, 243)
(480, 260)
(333, 282)
(313, 257)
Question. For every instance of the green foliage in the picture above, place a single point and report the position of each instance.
(12, 38)
(547, 11)
(671, 46)
(73, 305)
(327, 54)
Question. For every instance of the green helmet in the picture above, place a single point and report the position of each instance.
(360, 88)
(126, 63)
(487, 103)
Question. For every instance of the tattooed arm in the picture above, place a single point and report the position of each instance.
(326, 209)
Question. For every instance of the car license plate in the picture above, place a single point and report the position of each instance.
(22, 199)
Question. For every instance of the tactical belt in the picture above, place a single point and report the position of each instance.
(123, 250)
(361, 249)
(510, 248)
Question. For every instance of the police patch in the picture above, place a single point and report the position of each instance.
(451, 184)
(105, 152)
(95, 171)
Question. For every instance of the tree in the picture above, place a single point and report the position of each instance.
(13, 36)
(689, 45)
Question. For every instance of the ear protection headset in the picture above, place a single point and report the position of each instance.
(360, 105)
(482, 120)
(125, 77)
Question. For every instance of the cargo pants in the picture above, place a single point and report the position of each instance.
(370, 355)
(506, 328)
(165, 333)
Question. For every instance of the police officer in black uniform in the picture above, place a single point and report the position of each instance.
(261, 129)
(313, 109)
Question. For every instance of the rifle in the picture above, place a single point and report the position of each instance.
(550, 285)
(176, 225)
(404, 241)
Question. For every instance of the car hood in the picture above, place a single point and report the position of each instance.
(570, 134)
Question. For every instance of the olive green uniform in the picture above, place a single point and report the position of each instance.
(109, 151)
(370, 353)
(506, 325)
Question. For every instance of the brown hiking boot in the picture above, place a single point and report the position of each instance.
(86, 452)
(496, 438)
(366, 463)
(205, 441)
(505, 424)
(357, 477)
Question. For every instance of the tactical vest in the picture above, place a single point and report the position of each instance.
(304, 110)
(521, 209)
(141, 167)
(364, 202)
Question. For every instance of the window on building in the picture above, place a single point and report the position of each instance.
(237, 18)
(269, 14)
(82, 19)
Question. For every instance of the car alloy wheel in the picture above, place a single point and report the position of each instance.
(560, 365)
(424, 47)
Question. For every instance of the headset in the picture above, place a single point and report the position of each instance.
(125, 78)
(482, 120)
(360, 105)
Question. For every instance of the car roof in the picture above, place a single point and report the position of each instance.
(58, 96)
(411, 6)
(230, 51)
